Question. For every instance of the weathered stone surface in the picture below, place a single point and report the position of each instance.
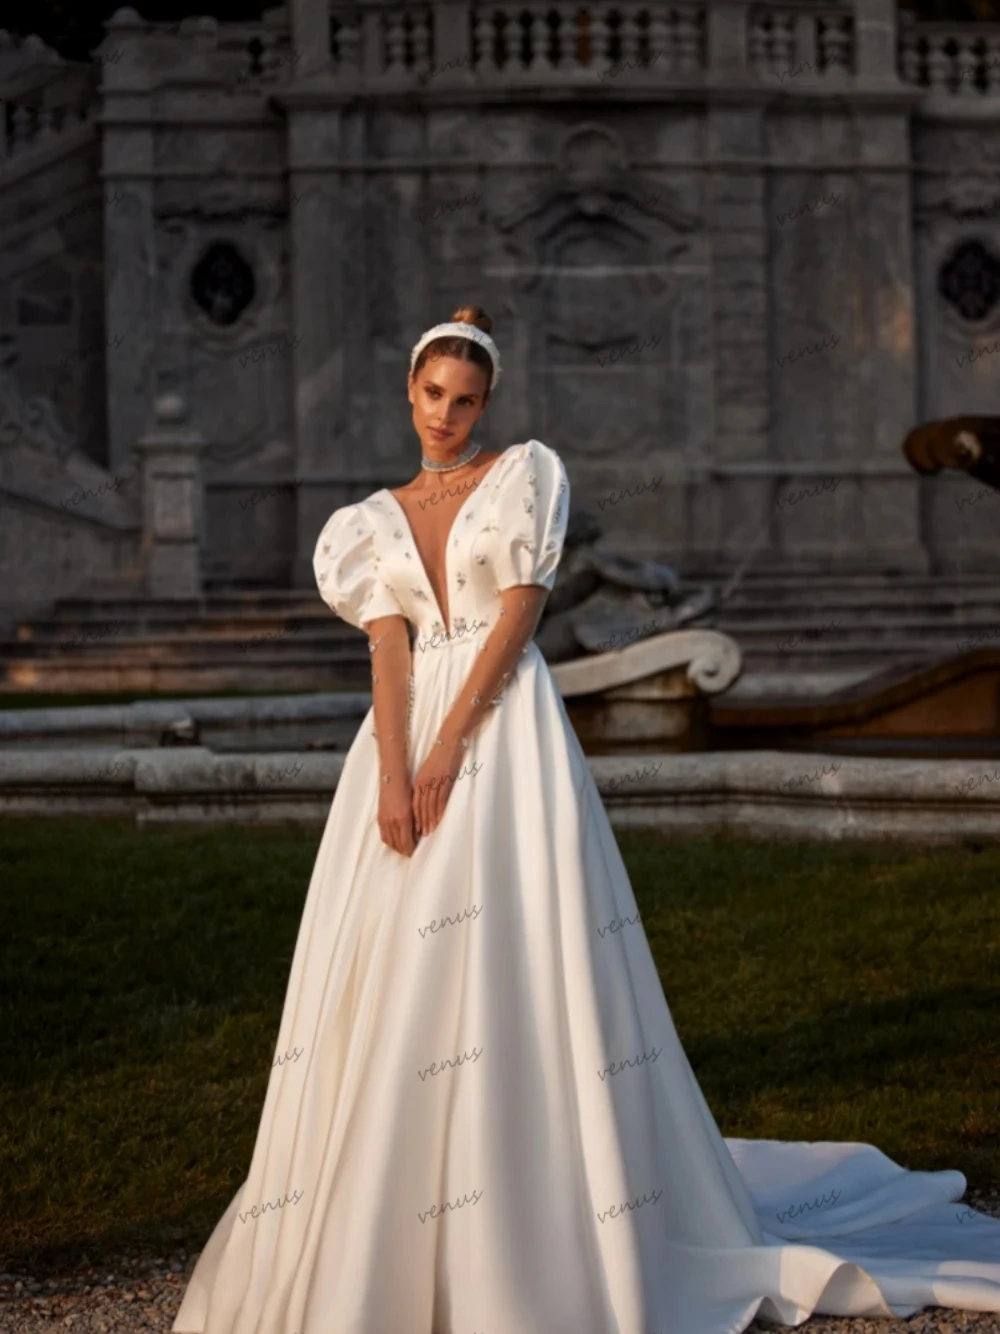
(762, 793)
(230, 213)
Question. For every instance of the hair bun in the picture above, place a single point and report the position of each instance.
(473, 315)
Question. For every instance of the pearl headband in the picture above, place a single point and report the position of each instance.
(469, 331)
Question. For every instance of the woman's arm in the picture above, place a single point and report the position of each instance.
(389, 648)
(521, 610)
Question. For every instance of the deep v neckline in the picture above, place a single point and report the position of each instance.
(447, 541)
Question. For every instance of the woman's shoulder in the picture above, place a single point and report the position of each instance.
(357, 512)
(347, 526)
(540, 465)
(531, 452)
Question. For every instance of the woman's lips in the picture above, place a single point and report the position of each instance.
(439, 435)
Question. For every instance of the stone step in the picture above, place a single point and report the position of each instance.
(76, 676)
(803, 601)
(49, 630)
(301, 649)
(271, 600)
(802, 571)
(839, 658)
(757, 630)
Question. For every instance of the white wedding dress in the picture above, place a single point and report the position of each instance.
(480, 1119)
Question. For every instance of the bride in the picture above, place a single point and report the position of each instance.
(480, 1119)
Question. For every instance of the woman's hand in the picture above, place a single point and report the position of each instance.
(395, 814)
(433, 783)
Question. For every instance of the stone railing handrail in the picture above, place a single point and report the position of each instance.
(381, 41)
(948, 58)
(29, 130)
(789, 39)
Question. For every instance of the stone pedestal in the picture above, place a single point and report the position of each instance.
(170, 464)
(650, 696)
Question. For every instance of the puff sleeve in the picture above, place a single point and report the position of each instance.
(346, 572)
(533, 509)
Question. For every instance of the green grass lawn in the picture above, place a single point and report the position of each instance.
(821, 992)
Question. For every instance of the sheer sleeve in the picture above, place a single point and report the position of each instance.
(346, 572)
(533, 509)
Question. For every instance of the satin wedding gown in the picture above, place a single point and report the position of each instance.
(480, 1119)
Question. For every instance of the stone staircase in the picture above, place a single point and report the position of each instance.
(805, 633)
(219, 643)
(811, 631)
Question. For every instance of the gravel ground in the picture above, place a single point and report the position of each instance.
(134, 1293)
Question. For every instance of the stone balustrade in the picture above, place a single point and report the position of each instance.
(950, 59)
(784, 41)
(26, 126)
(379, 43)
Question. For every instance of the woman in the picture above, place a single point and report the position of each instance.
(480, 1117)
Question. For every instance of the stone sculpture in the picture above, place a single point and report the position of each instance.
(602, 601)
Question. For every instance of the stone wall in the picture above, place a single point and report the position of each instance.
(733, 252)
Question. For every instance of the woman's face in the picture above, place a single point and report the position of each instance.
(448, 397)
